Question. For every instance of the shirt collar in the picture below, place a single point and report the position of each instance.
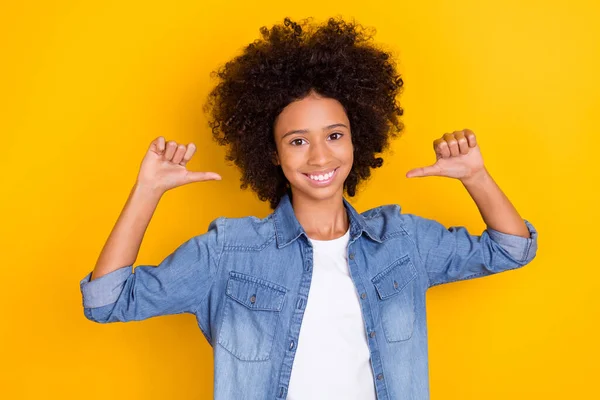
(288, 229)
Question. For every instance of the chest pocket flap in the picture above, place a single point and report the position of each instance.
(255, 293)
(394, 278)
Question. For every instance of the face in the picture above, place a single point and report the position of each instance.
(314, 147)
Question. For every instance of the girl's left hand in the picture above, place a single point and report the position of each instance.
(458, 156)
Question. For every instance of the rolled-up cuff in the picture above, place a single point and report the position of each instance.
(104, 290)
(520, 248)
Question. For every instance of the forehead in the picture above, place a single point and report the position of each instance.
(312, 112)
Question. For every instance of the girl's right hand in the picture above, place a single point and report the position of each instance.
(164, 167)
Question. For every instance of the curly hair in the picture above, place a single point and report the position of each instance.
(292, 59)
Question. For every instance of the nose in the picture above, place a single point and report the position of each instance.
(318, 154)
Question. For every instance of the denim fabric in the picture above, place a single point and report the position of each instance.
(247, 282)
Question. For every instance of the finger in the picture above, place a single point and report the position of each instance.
(178, 156)
(441, 148)
(191, 149)
(431, 170)
(171, 148)
(463, 144)
(161, 144)
(470, 137)
(203, 176)
(452, 144)
(155, 145)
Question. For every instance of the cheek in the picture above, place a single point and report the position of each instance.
(290, 163)
(348, 153)
(345, 155)
(289, 159)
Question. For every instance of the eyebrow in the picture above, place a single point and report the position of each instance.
(306, 130)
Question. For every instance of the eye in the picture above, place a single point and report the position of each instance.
(295, 142)
(337, 133)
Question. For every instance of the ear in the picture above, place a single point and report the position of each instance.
(275, 159)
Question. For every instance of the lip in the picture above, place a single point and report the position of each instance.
(322, 183)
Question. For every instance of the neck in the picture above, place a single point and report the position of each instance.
(321, 219)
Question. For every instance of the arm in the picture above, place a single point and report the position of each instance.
(123, 244)
(113, 292)
(178, 284)
(495, 208)
(454, 254)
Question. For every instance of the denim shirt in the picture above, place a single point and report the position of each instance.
(247, 282)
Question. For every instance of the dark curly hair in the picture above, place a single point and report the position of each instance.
(335, 60)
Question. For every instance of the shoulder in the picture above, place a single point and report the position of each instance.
(390, 220)
(245, 233)
(386, 220)
(390, 223)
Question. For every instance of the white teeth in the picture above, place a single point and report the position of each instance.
(321, 177)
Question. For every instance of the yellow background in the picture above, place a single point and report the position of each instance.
(87, 85)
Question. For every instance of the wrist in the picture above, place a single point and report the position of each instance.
(147, 192)
(478, 178)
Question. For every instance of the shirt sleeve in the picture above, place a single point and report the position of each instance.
(177, 285)
(453, 254)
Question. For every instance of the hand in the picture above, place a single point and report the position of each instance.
(458, 156)
(164, 167)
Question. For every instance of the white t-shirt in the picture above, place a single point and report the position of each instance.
(332, 358)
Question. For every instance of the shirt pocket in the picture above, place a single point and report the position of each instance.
(395, 290)
(250, 316)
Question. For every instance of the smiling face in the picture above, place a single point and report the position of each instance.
(314, 147)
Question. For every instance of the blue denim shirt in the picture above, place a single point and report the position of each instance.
(247, 282)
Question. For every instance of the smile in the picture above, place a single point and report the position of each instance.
(321, 179)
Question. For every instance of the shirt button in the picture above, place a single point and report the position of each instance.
(363, 296)
(395, 285)
(372, 334)
(352, 256)
(291, 345)
(253, 299)
(379, 377)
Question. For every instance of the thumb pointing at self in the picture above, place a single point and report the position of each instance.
(193, 176)
(431, 170)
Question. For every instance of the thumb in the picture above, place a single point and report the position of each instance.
(430, 170)
(193, 176)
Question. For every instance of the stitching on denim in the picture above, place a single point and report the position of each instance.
(244, 360)
(249, 278)
(484, 273)
(418, 254)
(377, 278)
(527, 248)
(372, 213)
(222, 343)
(382, 275)
(204, 333)
(414, 318)
(394, 234)
(249, 248)
(460, 279)
(222, 222)
(278, 300)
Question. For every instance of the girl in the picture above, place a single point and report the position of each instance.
(315, 301)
